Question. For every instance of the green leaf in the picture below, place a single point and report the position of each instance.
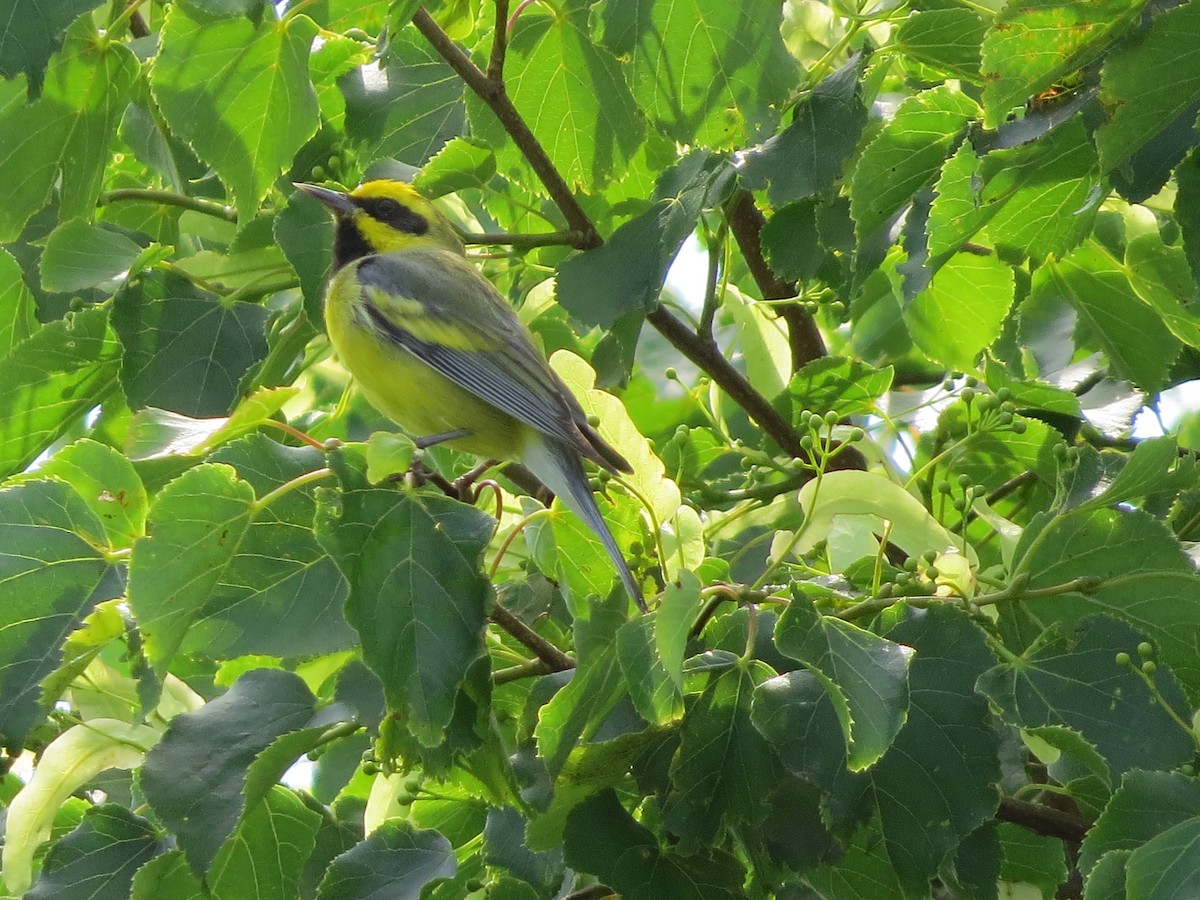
(1143, 807)
(707, 73)
(1039, 198)
(1145, 579)
(1107, 880)
(69, 762)
(865, 675)
(961, 312)
(936, 783)
(863, 871)
(1187, 209)
(221, 84)
(213, 766)
(281, 594)
(796, 714)
(195, 527)
(31, 33)
(79, 255)
(1035, 44)
(460, 165)
(108, 484)
(1029, 858)
(185, 350)
(265, 857)
(1135, 338)
(907, 154)
(627, 273)
(724, 767)
(51, 569)
(945, 39)
(604, 840)
(1147, 82)
(1166, 866)
(505, 848)
(673, 621)
(1160, 275)
(1153, 468)
(1075, 682)
(406, 106)
(98, 858)
(67, 131)
(572, 94)
(167, 877)
(578, 709)
(17, 320)
(805, 159)
(655, 694)
(791, 243)
(396, 860)
(304, 233)
(417, 595)
(51, 380)
(840, 384)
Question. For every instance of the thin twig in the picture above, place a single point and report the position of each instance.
(169, 198)
(1043, 820)
(555, 659)
(495, 69)
(523, 241)
(516, 673)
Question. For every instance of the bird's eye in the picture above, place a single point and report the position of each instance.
(387, 208)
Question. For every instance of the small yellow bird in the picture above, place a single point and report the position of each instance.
(435, 348)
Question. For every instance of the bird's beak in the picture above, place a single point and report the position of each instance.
(340, 203)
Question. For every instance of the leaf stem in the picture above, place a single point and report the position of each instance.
(169, 198)
(288, 486)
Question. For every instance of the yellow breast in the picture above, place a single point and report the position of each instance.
(406, 390)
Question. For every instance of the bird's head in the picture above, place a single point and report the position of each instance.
(381, 216)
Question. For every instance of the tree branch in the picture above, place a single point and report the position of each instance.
(1043, 820)
(495, 69)
(493, 94)
(555, 659)
(746, 222)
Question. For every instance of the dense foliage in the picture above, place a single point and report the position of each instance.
(924, 617)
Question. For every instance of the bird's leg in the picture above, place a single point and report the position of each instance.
(432, 440)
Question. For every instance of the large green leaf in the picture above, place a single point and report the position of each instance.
(32, 31)
(79, 255)
(17, 320)
(707, 73)
(1148, 82)
(195, 527)
(866, 676)
(417, 595)
(627, 273)
(396, 860)
(185, 350)
(1036, 43)
(51, 380)
(1145, 805)
(406, 106)
(67, 131)
(1138, 343)
(805, 159)
(724, 768)
(604, 840)
(51, 568)
(946, 39)
(214, 765)
(98, 858)
(223, 86)
(572, 94)
(907, 154)
(265, 856)
(281, 594)
(1143, 578)
(1075, 682)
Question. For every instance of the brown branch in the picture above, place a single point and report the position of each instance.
(555, 659)
(1043, 820)
(493, 94)
(704, 354)
(495, 69)
(746, 222)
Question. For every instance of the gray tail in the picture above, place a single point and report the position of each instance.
(560, 468)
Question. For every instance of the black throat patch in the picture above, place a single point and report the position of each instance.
(348, 244)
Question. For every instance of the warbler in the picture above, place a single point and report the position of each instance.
(436, 348)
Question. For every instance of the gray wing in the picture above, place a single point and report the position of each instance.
(500, 365)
